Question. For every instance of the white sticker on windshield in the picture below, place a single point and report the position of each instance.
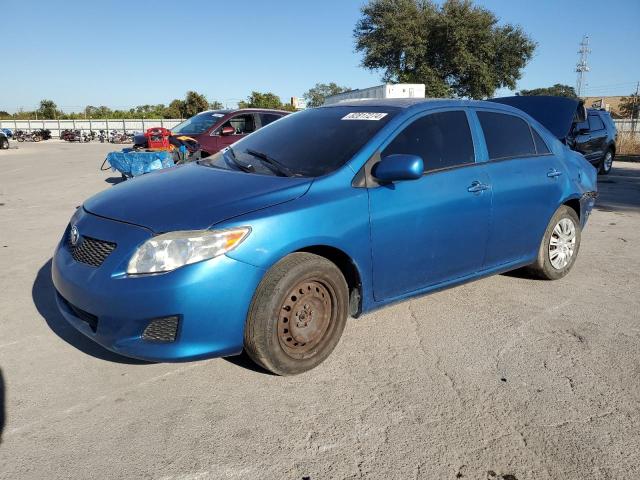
(364, 116)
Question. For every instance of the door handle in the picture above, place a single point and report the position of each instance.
(553, 173)
(477, 187)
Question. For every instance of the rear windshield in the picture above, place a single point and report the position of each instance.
(198, 124)
(313, 142)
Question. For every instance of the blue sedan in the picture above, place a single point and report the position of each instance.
(268, 246)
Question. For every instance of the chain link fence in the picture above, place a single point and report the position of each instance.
(122, 125)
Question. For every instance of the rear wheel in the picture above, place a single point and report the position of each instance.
(607, 163)
(297, 314)
(4, 143)
(20, 139)
(560, 245)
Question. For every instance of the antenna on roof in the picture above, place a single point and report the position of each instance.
(582, 66)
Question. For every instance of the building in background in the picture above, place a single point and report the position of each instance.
(610, 104)
(398, 90)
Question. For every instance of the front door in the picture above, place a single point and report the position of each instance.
(243, 124)
(427, 231)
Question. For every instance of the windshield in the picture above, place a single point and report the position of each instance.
(310, 143)
(199, 123)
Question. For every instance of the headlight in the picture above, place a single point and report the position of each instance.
(175, 249)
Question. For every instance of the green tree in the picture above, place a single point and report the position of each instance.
(630, 106)
(176, 109)
(47, 109)
(557, 90)
(216, 105)
(194, 103)
(261, 100)
(457, 49)
(315, 96)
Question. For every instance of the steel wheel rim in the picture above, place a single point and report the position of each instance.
(306, 316)
(562, 244)
(608, 161)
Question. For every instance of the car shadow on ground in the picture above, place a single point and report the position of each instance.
(244, 361)
(43, 294)
(114, 180)
(620, 190)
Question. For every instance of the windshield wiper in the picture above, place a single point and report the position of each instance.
(271, 163)
(238, 163)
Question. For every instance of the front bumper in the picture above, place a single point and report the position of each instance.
(211, 298)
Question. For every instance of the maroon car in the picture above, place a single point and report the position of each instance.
(217, 129)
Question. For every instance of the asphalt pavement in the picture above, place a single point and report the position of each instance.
(504, 378)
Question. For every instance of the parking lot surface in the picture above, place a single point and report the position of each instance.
(505, 378)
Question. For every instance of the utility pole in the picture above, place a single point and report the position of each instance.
(582, 66)
(635, 114)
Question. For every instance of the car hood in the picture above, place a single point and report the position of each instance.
(192, 197)
(557, 114)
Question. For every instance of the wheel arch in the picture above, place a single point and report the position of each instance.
(349, 269)
(574, 204)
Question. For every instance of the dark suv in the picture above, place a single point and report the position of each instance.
(595, 138)
(217, 129)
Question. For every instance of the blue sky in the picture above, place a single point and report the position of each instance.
(126, 53)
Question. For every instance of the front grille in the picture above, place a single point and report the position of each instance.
(90, 250)
(161, 330)
(83, 315)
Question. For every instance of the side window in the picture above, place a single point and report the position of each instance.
(595, 123)
(541, 147)
(242, 124)
(506, 135)
(267, 118)
(442, 140)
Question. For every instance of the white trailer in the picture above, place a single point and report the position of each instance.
(398, 90)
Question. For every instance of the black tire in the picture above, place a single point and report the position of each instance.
(294, 288)
(543, 266)
(20, 139)
(606, 163)
(4, 143)
(36, 138)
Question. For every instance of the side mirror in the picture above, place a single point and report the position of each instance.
(227, 131)
(397, 167)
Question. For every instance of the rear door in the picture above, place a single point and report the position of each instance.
(427, 231)
(526, 181)
(267, 117)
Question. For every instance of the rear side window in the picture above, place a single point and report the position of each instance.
(595, 123)
(267, 118)
(541, 147)
(506, 135)
(443, 140)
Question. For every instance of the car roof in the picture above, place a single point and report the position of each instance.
(426, 103)
(235, 110)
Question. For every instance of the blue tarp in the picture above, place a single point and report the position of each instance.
(138, 163)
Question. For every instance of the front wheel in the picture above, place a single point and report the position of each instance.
(607, 163)
(560, 245)
(4, 144)
(297, 314)
(20, 139)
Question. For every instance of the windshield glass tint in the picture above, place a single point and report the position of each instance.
(313, 142)
(198, 124)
